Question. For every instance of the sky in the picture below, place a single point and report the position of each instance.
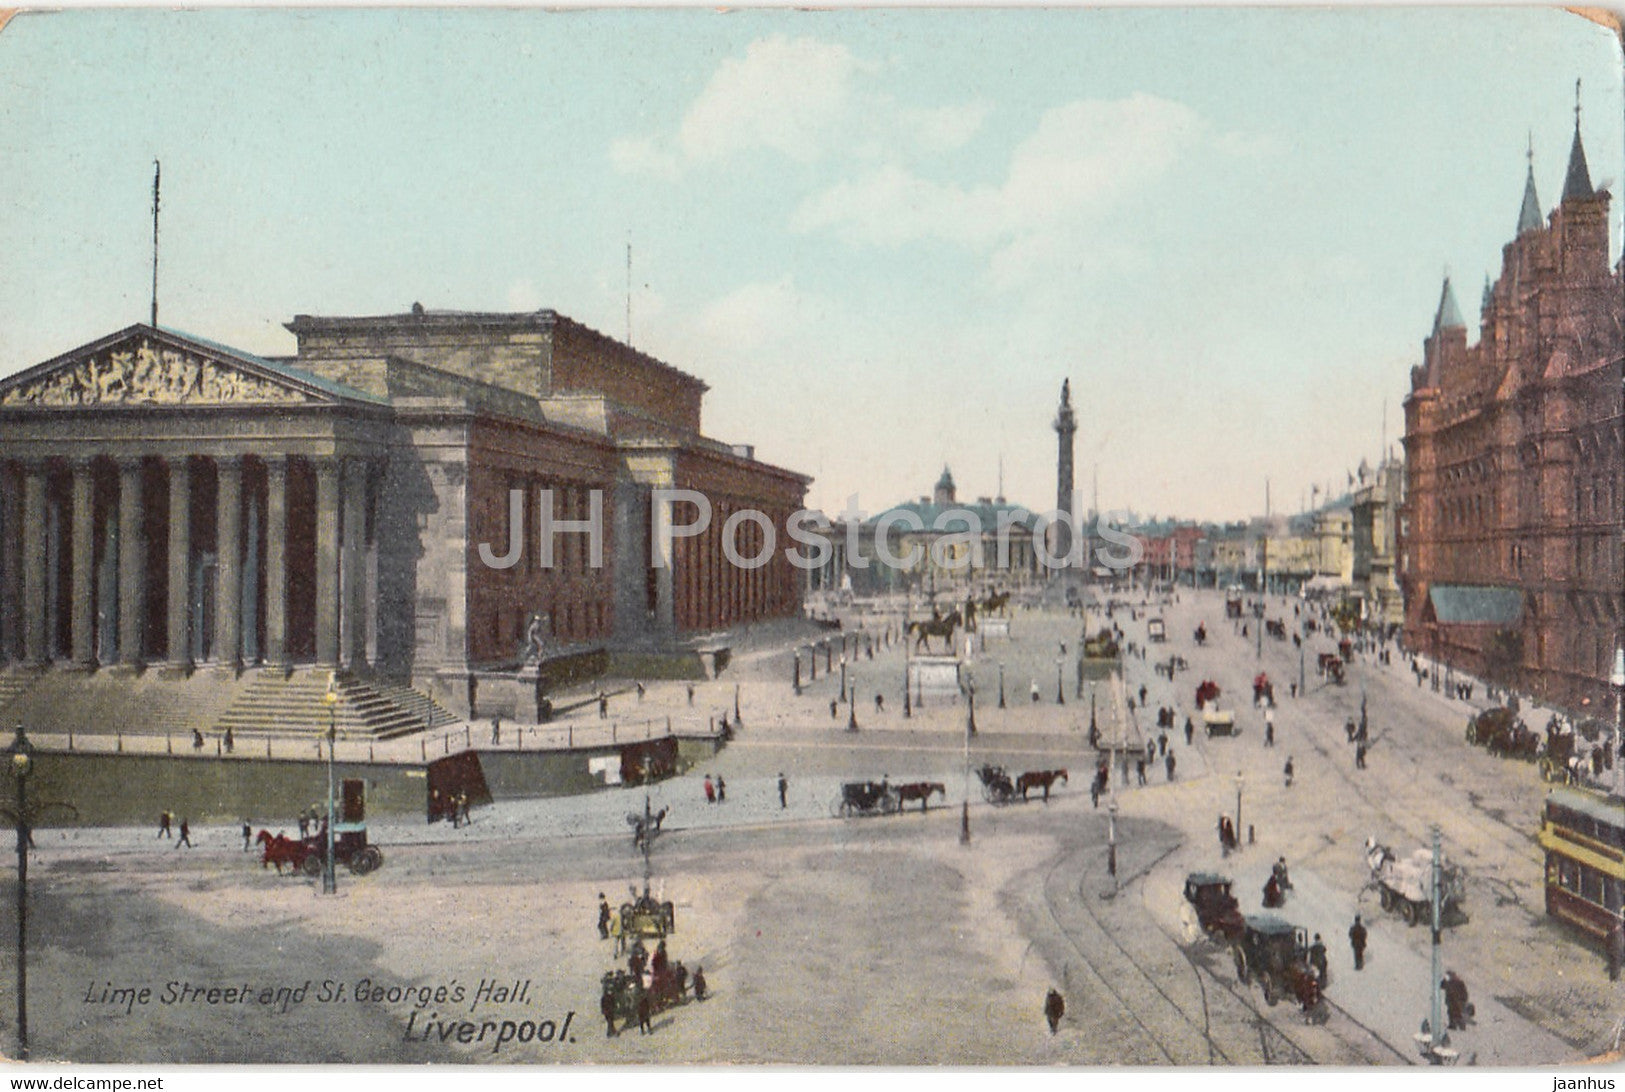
(884, 238)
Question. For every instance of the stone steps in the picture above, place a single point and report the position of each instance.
(109, 700)
(293, 705)
(13, 683)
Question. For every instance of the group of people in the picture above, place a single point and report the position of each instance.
(166, 820)
(1275, 889)
(651, 980)
(445, 805)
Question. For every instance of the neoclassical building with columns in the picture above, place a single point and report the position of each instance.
(170, 505)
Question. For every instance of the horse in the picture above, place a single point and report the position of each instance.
(1039, 779)
(921, 791)
(639, 831)
(996, 601)
(281, 850)
(935, 627)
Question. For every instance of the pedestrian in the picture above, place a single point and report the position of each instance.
(700, 988)
(645, 1010)
(691, 694)
(603, 917)
(1317, 960)
(186, 835)
(784, 788)
(1162, 742)
(1190, 731)
(1139, 769)
(880, 703)
(606, 1005)
(1286, 771)
(1054, 1009)
(603, 705)
(834, 703)
(462, 807)
(164, 820)
(710, 790)
(231, 741)
(617, 932)
(1032, 688)
(1142, 693)
(640, 690)
(248, 835)
(722, 790)
(304, 825)
(496, 731)
(1357, 937)
(1269, 731)
(197, 740)
(1456, 1006)
(1168, 764)
(1359, 756)
(1294, 687)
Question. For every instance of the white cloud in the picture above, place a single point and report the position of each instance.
(754, 317)
(803, 99)
(1080, 163)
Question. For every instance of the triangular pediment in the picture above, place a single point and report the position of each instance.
(147, 366)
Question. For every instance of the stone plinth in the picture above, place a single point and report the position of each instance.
(935, 674)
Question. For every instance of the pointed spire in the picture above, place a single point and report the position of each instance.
(1577, 183)
(1529, 215)
(1449, 315)
(1489, 294)
(1066, 392)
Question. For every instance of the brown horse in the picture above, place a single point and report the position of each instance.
(1039, 779)
(996, 601)
(281, 850)
(936, 627)
(921, 791)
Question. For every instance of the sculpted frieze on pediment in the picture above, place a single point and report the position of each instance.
(148, 373)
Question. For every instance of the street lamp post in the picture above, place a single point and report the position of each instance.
(330, 883)
(852, 706)
(843, 673)
(1060, 690)
(964, 807)
(1111, 840)
(1001, 684)
(22, 766)
(1238, 808)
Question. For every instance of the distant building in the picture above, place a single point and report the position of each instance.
(1509, 553)
(1375, 581)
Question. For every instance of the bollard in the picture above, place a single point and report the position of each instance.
(121, 742)
(70, 739)
(217, 748)
(169, 743)
(445, 743)
(571, 736)
(1250, 839)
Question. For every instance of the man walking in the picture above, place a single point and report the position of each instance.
(1168, 764)
(784, 789)
(603, 917)
(164, 820)
(248, 835)
(1357, 937)
(1317, 960)
(1054, 1009)
(186, 835)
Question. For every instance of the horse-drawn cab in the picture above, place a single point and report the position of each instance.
(997, 787)
(1211, 909)
(646, 916)
(1232, 603)
(1156, 631)
(1276, 953)
(1330, 665)
(865, 798)
(1503, 733)
(350, 849)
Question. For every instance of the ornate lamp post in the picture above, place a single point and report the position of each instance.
(843, 674)
(1111, 840)
(852, 705)
(1001, 684)
(330, 883)
(1060, 690)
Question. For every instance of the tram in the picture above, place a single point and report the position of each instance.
(1583, 834)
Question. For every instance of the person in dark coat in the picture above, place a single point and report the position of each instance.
(722, 790)
(1190, 731)
(700, 988)
(248, 836)
(1272, 894)
(1357, 937)
(186, 835)
(645, 1011)
(606, 1005)
(784, 789)
(1317, 960)
(1054, 1009)
(603, 917)
(1168, 764)
(1455, 1001)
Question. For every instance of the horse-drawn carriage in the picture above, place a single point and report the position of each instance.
(308, 855)
(1276, 953)
(1275, 628)
(1156, 631)
(1330, 664)
(997, 786)
(1210, 909)
(1206, 692)
(865, 798)
(1503, 733)
(646, 916)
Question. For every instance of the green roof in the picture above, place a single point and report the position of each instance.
(1471, 604)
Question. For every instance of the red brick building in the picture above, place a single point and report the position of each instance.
(1510, 556)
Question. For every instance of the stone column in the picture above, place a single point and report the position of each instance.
(83, 597)
(10, 574)
(327, 563)
(276, 561)
(180, 562)
(228, 529)
(132, 568)
(353, 565)
(664, 618)
(33, 550)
